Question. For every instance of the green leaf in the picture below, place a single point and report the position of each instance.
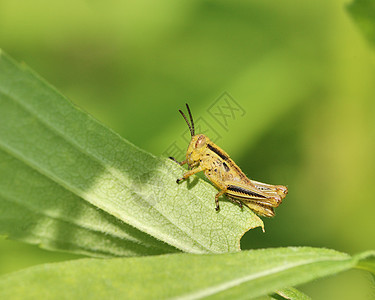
(291, 294)
(363, 13)
(366, 261)
(246, 274)
(69, 183)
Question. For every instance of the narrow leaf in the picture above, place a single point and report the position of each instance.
(242, 275)
(290, 294)
(69, 183)
(366, 261)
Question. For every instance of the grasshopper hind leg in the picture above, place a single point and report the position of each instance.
(236, 201)
(222, 192)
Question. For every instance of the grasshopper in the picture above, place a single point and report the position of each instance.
(204, 156)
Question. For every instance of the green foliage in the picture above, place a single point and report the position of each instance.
(69, 183)
(246, 274)
(307, 91)
(363, 12)
(290, 293)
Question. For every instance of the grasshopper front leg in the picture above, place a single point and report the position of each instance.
(175, 160)
(189, 173)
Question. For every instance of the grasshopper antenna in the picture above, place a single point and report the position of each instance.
(191, 119)
(191, 128)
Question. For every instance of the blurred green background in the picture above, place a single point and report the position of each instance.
(300, 71)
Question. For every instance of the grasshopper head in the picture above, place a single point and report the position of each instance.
(197, 144)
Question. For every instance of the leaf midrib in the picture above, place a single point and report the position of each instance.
(35, 166)
(129, 239)
(240, 280)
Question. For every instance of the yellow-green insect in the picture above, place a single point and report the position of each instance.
(203, 155)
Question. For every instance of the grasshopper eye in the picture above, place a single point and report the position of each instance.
(201, 141)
